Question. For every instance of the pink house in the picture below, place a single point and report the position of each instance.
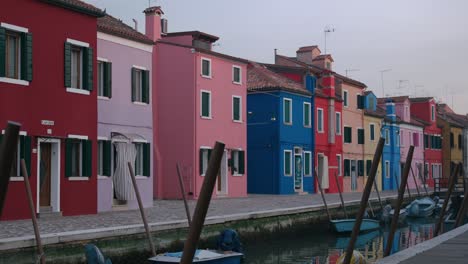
(199, 98)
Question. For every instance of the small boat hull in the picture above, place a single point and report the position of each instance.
(213, 258)
(346, 225)
(421, 207)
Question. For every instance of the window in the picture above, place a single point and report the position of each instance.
(397, 138)
(104, 79)
(360, 101)
(387, 137)
(407, 113)
(345, 98)
(287, 111)
(104, 158)
(206, 67)
(319, 120)
(205, 104)
(236, 75)
(416, 139)
(360, 133)
(76, 70)
(347, 166)
(78, 66)
(140, 85)
(451, 140)
(348, 137)
(307, 163)
(288, 162)
(340, 165)
(368, 167)
(426, 141)
(307, 116)
(387, 169)
(338, 123)
(371, 101)
(16, 48)
(372, 131)
(139, 159)
(328, 65)
(78, 155)
(236, 109)
(205, 154)
(410, 138)
(23, 151)
(100, 158)
(237, 162)
(432, 112)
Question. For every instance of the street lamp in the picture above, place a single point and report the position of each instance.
(381, 76)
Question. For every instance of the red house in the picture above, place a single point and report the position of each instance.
(47, 83)
(424, 109)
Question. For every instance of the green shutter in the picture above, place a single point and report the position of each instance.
(145, 93)
(346, 167)
(236, 108)
(106, 157)
(205, 104)
(360, 167)
(87, 158)
(360, 136)
(133, 85)
(241, 162)
(88, 61)
(307, 163)
(68, 157)
(201, 162)
(25, 153)
(108, 79)
(146, 159)
(2, 52)
(287, 111)
(67, 64)
(368, 167)
(306, 114)
(287, 163)
(26, 57)
(209, 155)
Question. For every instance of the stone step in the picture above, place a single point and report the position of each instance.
(46, 213)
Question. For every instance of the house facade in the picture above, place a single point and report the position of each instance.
(390, 131)
(280, 123)
(373, 120)
(125, 114)
(200, 98)
(55, 80)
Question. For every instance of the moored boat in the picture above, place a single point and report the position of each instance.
(423, 207)
(346, 225)
(201, 256)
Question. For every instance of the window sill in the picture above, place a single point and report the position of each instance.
(207, 76)
(288, 175)
(16, 179)
(308, 126)
(206, 117)
(140, 103)
(78, 178)
(139, 177)
(237, 83)
(14, 81)
(103, 98)
(237, 121)
(237, 175)
(78, 91)
(321, 132)
(287, 124)
(307, 176)
(103, 177)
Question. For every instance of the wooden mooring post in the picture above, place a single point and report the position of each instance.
(415, 182)
(401, 193)
(7, 155)
(323, 196)
(452, 180)
(182, 190)
(142, 210)
(341, 195)
(364, 200)
(462, 211)
(203, 203)
(378, 196)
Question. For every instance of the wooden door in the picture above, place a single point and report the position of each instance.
(45, 173)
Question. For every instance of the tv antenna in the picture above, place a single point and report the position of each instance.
(350, 70)
(328, 29)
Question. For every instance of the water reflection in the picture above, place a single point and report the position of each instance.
(317, 245)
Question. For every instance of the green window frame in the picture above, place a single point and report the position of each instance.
(23, 151)
(16, 54)
(78, 157)
(287, 111)
(237, 162)
(104, 79)
(78, 66)
(347, 167)
(360, 132)
(345, 98)
(140, 81)
(104, 158)
(348, 136)
(320, 125)
(206, 67)
(338, 123)
(236, 75)
(205, 104)
(287, 162)
(368, 167)
(372, 132)
(307, 114)
(360, 164)
(237, 109)
(307, 163)
(204, 158)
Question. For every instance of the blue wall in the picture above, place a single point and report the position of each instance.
(391, 152)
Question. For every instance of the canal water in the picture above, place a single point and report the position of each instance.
(313, 245)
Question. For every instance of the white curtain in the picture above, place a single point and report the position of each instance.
(123, 186)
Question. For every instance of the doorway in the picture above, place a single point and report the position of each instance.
(298, 180)
(353, 175)
(48, 183)
(221, 181)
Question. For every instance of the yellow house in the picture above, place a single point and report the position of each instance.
(372, 125)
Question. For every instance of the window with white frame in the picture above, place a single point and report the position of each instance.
(76, 67)
(139, 158)
(23, 151)
(340, 165)
(12, 56)
(287, 111)
(288, 162)
(372, 131)
(307, 115)
(140, 85)
(387, 169)
(16, 47)
(338, 123)
(307, 163)
(205, 154)
(100, 158)
(205, 104)
(236, 75)
(206, 67)
(237, 108)
(345, 98)
(104, 79)
(79, 67)
(348, 135)
(319, 119)
(76, 158)
(237, 162)
(387, 137)
(432, 112)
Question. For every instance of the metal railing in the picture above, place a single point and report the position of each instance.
(441, 185)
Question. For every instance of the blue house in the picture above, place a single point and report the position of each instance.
(391, 170)
(279, 133)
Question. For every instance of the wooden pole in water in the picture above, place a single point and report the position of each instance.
(323, 196)
(203, 203)
(452, 181)
(364, 200)
(401, 193)
(7, 155)
(415, 182)
(40, 249)
(462, 210)
(142, 210)
(378, 195)
(341, 195)
(425, 182)
(182, 189)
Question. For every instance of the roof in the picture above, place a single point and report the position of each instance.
(453, 119)
(153, 9)
(322, 57)
(395, 99)
(194, 34)
(425, 123)
(379, 112)
(420, 99)
(260, 78)
(307, 48)
(77, 6)
(111, 25)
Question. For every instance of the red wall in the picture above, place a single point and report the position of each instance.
(46, 99)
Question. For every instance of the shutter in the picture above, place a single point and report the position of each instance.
(87, 158)
(108, 79)
(359, 102)
(2, 52)
(346, 167)
(106, 157)
(68, 157)
(145, 92)
(146, 159)
(209, 155)
(26, 57)
(368, 166)
(88, 60)
(67, 65)
(133, 84)
(241, 162)
(25, 153)
(201, 162)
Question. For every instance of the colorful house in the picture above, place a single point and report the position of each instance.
(424, 110)
(279, 133)
(54, 83)
(373, 120)
(200, 97)
(124, 75)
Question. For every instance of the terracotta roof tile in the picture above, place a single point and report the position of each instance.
(421, 99)
(111, 25)
(78, 6)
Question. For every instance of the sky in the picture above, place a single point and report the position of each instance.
(424, 43)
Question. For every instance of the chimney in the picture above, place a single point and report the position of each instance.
(328, 84)
(136, 24)
(390, 106)
(307, 54)
(153, 22)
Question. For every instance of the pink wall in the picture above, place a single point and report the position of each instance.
(184, 40)
(418, 154)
